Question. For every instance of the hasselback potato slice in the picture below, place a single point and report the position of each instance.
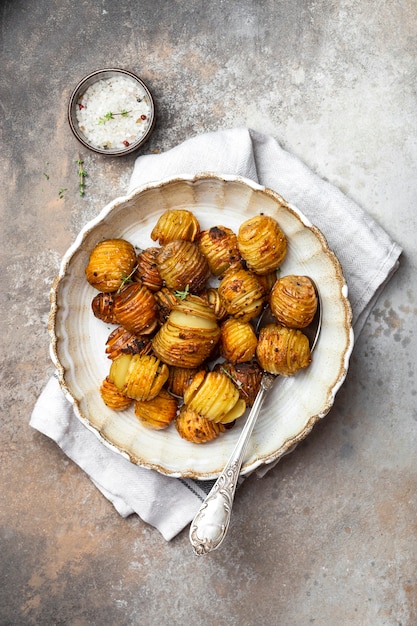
(189, 335)
(179, 379)
(214, 396)
(211, 295)
(113, 397)
(121, 341)
(157, 413)
(238, 341)
(219, 246)
(282, 350)
(165, 300)
(196, 428)
(182, 266)
(111, 262)
(175, 224)
(293, 301)
(147, 269)
(135, 309)
(103, 307)
(246, 376)
(262, 244)
(145, 377)
(241, 294)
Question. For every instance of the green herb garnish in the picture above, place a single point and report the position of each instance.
(181, 295)
(81, 174)
(127, 279)
(110, 116)
(61, 193)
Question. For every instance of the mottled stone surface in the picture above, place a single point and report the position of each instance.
(329, 536)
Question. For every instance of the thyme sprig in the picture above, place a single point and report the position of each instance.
(110, 116)
(181, 295)
(234, 380)
(81, 175)
(127, 279)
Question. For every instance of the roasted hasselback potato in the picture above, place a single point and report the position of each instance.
(238, 341)
(157, 413)
(103, 307)
(189, 335)
(214, 396)
(282, 350)
(111, 262)
(196, 428)
(175, 224)
(135, 309)
(246, 376)
(213, 298)
(293, 301)
(241, 294)
(165, 300)
(121, 341)
(113, 397)
(145, 377)
(182, 266)
(147, 269)
(262, 244)
(179, 378)
(219, 246)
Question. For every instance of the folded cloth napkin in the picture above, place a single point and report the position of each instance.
(368, 257)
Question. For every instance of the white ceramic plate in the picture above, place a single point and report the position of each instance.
(78, 338)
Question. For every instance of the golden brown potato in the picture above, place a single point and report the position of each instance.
(113, 397)
(135, 309)
(241, 294)
(147, 269)
(103, 307)
(179, 379)
(262, 244)
(145, 377)
(189, 335)
(111, 262)
(182, 266)
(211, 295)
(219, 246)
(293, 301)
(165, 300)
(118, 370)
(246, 376)
(195, 428)
(175, 224)
(238, 341)
(282, 350)
(121, 341)
(214, 396)
(157, 413)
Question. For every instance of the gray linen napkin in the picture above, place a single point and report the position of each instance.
(367, 254)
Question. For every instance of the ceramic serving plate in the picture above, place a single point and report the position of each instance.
(78, 339)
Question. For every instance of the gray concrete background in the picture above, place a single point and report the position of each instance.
(329, 536)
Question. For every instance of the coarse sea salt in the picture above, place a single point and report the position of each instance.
(114, 113)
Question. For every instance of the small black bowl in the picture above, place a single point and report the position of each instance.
(75, 103)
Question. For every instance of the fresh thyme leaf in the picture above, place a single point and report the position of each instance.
(234, 380)
(81, 175)
(46, 176)
(61, 193)
(110, 116)
(181, 295)
(127, 279)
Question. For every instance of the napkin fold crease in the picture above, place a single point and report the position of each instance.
(368, 257)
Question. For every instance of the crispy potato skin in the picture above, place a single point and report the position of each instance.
(110, 262)
(262, 243)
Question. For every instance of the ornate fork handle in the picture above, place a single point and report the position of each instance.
(210, 525)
